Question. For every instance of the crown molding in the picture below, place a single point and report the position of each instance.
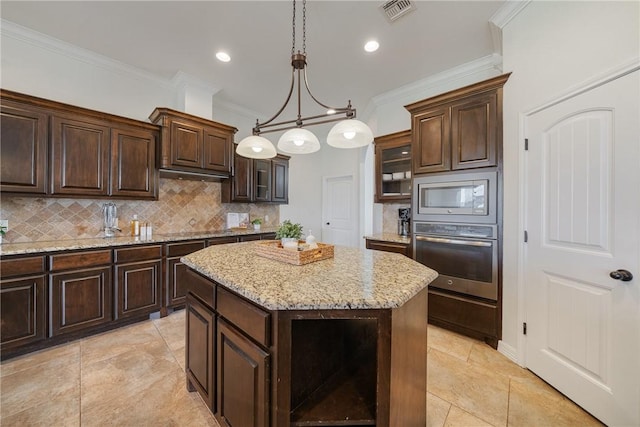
(182, 80)
(416, 90)
(42, 41)
(509, 10)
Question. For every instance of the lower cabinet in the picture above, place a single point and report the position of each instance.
(200, 350)
(138, 280)
(242, 380)
(176, 271)
(80, 291)
(382, 245)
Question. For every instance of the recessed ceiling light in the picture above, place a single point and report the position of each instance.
(371, 46)
(223, 56)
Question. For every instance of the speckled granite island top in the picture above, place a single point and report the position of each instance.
(390, 237)
(353, 279)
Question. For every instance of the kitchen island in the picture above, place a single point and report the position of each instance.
(341, 341)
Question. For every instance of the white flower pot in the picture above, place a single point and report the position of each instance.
(256, 226)
(289, 242)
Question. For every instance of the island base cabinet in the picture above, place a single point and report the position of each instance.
(200, 350)
(242, 380)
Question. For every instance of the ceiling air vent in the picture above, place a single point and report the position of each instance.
(394, 9)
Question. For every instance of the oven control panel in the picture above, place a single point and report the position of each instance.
(459, 230)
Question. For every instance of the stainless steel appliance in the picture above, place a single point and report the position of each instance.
(464, 255)
(110, 213)
(456, 197)
(404, 221)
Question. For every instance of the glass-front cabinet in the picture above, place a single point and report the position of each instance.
(393, 167)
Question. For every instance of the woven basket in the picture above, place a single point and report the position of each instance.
(273, 249)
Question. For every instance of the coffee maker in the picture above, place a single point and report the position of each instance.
(404, 218)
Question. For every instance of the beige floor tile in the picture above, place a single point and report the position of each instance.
(460, 418)
(484, 356)
(437, 410)
(28, 388)
(122, 340)
(179, 355)
(60, 355)
(61, 412)
(476, 390)
(449, 342)
(172, 332)
(532, 402)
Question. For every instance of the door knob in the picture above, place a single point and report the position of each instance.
(623, 275)
(328, 223)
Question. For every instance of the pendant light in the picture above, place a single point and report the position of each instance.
(348, 133)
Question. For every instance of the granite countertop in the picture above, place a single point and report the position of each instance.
(390, 237)
(101, 242)
(353, 279)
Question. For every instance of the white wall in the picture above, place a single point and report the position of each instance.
(550, 47)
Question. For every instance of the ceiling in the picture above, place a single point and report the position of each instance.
(164, 37)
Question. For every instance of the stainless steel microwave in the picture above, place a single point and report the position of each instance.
(453, 197)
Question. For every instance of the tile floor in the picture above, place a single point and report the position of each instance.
(134, 376)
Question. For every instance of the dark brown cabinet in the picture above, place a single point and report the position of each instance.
(176, 271)
(194, 145)
(23, 150)
(258, 180)
(138, 280)
(200, 350)
(62, 150)
(386, 246)
(80, 291)
(242, 379)
(22, 302)
(393, 167)
(461, 129)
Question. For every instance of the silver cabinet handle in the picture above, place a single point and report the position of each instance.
(455, 241)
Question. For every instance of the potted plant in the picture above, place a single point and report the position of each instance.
(289, 234)
(257, 222)
(3, 231)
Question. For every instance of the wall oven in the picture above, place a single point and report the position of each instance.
(464, 255)
(456, 197)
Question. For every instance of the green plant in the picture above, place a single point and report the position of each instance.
(3, 230)
(256, 221)
(289, 230)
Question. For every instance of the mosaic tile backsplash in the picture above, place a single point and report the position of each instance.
(183, 206)
(390, 216)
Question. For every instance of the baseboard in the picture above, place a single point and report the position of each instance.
(508, 351)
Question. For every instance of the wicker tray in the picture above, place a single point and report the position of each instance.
(273, 249)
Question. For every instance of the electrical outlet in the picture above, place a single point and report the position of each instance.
(266, 218)
(4, 223)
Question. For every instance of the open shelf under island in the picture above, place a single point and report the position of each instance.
(341, 341)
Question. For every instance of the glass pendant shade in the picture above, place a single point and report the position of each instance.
(298, 141)
(256, 147)
(350, 134)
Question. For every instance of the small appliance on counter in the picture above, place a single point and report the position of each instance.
(110, 213)
(404, 221)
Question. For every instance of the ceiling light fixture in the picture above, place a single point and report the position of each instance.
(348, 133)
(223, 56)
(371, 46)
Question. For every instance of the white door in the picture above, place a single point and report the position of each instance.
(582, 217)
(339, 206)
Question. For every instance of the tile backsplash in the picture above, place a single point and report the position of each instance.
(390, 216)
(183, 206)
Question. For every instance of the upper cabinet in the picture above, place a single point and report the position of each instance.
(194, 146)
(461, 129)
(50, 148)
(258, 180)
(393, 167)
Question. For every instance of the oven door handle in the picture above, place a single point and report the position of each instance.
(454, 241)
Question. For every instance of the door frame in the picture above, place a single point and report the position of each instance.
(355, 200)
(598, 80)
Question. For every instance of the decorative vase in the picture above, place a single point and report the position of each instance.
(289, 242)
(256, 226)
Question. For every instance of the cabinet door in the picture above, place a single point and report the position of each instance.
(217, 150)
(23, 151)
(22, 305)
(242, 380)
(186, 145)
(79, 299)
(80, 157)
(280, 180)
(474, 132)
(393, 167)
(176, 279)
(138, 288)
(200, 350)
(431, 146)
(133, 156)
(262, 180)
(242, 186)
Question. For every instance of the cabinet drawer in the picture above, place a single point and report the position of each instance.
(138, 254)
(22, 266)
(378, 245)
(254, 321)
(201, 287)
(79, 259)
(180, 249)
(221, 240)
